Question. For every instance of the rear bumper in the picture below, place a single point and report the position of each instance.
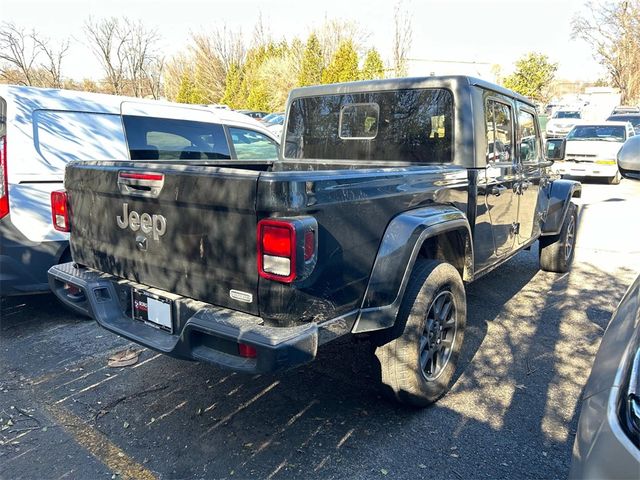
(585, 169)
(202, 331)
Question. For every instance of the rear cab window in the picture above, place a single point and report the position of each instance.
(151, 138)
(409, 125)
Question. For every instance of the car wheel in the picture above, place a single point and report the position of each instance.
(615, 180)
(419, 360)
(557, 251)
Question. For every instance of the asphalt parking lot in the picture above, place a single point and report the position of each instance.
(512, 413)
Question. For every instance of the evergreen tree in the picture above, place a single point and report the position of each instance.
(233, 84)
(186, 92)
(373, 67)
(532, 77)
(312, 63)
(343, 66)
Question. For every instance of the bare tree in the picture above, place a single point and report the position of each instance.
(55, 54)
(143, 62)
(22, 51)
(613, 31)
(108, 38)
(333, 32)
(213, 54)
(18, 53)
(129, 55)
(175, 70)
(402, 38)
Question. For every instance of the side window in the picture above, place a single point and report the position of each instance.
(499, 122)
(528, 137)
(151, 138)
(252, 145)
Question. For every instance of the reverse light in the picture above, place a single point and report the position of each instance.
(4, 182)
(60, 211)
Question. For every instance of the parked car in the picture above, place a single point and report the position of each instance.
(590, 150)
(253, 113)
(632, 118)
(607, 442)
(622, 109)
(275, 124)
(383, 203)
(561, 123)
(41, 130)
(271, 117)
(629, 158)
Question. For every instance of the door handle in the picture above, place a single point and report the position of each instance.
(497, 190)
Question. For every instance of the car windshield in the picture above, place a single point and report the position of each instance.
(277, 120)
(566, 115)
(633, 119)
(606, 133)
(271, 117)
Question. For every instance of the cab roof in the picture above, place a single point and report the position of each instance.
(442, 81)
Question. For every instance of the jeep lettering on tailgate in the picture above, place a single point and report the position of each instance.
(155, 224)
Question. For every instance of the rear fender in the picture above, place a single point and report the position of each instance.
(560, 195)
(403, 240)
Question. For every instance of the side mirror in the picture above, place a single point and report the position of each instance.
(629, 159)
(554, 148)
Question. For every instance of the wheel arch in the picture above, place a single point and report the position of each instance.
(438, 232)
(560, 195)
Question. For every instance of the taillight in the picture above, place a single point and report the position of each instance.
(277, 250)
(287, 248)
(247, 351)
(60, 211)
(4, 181)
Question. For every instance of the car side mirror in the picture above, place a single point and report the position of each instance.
(554, 148)
(629, 159)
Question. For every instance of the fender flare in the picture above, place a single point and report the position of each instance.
(396, 257)
(560, 195)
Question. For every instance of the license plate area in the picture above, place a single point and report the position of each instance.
(152, 309)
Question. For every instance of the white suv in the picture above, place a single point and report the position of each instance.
(591, 150)
(43, 129)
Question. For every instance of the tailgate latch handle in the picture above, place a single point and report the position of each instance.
(140, 184)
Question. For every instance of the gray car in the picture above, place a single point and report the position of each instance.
(607, 443)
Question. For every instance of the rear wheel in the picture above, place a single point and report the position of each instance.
(419, 360)
(557, 251)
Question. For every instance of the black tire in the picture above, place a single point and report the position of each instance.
(615, 180)
(557, 251)
(420, 330)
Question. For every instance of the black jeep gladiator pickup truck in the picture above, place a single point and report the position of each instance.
(388, 195)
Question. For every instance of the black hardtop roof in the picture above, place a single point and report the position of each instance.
(403, 83)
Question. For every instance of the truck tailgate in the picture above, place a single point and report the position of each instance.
(195, 235)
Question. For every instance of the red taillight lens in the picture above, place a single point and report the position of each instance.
(4, 181)
(60, 211)
(277, 240)
(247, 351)
(277, 250)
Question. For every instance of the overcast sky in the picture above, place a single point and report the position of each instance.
(492, 31)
